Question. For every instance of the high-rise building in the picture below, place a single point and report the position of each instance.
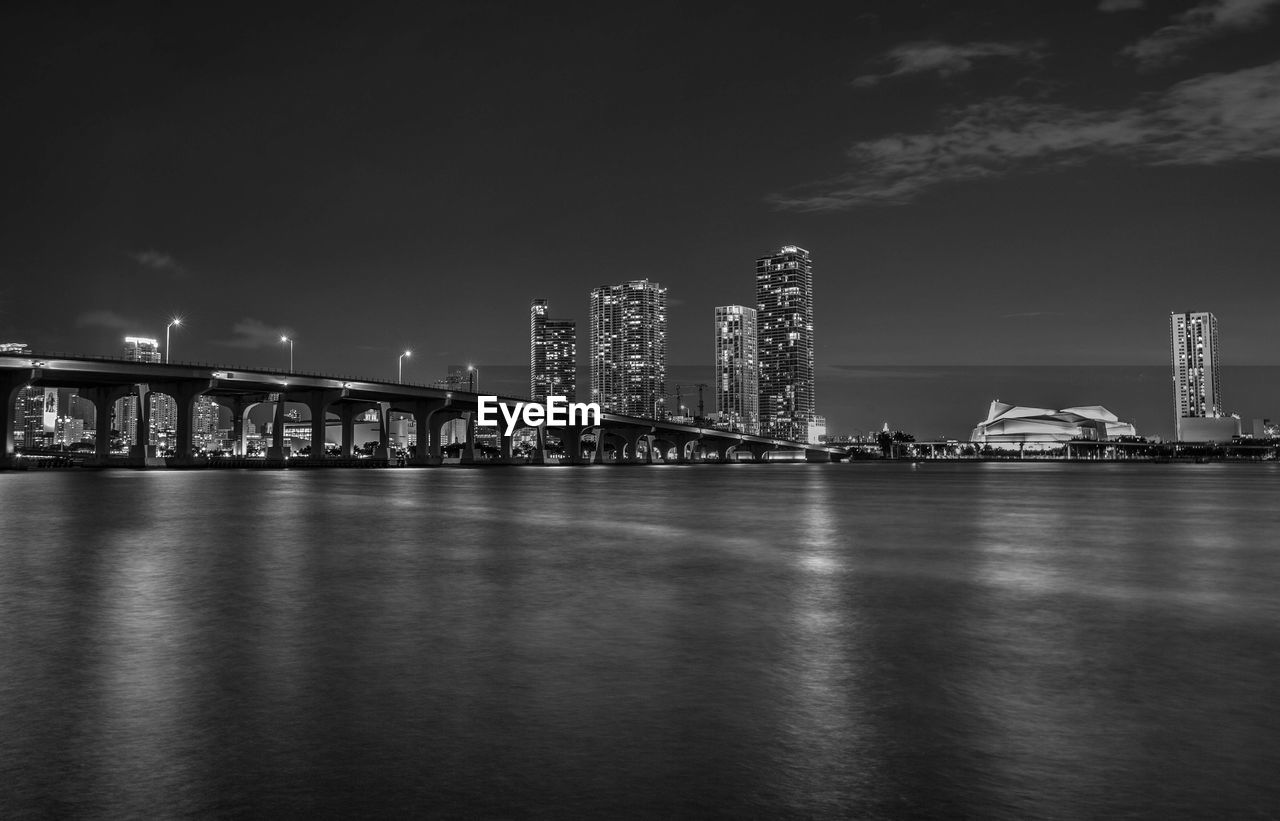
(1197, 387)
(737, 369)
(629, 348)
(553, 354)
(163, 408)
(35, 415)
(784, 322)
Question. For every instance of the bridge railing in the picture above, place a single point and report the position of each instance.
(219, 366)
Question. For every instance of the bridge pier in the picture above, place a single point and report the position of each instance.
(318, 403)
(142, 449)
(10, 384)
(275, 453)
(426, 452)
(104, 400)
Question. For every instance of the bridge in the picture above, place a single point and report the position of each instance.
(104, 380)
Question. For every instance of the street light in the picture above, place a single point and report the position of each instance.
(177, 320)
(472, 374)
(400, 366)
(290, 341)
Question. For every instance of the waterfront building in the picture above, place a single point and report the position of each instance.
(1007, 423)
(1197, 388)
(553, 354)
(629, 348)
(737, 368)
(784, 321)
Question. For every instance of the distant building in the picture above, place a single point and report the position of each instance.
(553, 354)
(629, 348)
(35, 416)
(737, 368)
(14, 347)
(1007, 423)
(142, 349)
(1197, 388)
(784, 321)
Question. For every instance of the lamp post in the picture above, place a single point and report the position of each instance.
(472, 375)
(400, 366)
(175, 321)
(290, 341)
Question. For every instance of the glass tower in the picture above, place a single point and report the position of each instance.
(737, 369)
(629, 348)
(784, 322)
(553, 354)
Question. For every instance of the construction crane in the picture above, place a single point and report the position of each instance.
(699, 386)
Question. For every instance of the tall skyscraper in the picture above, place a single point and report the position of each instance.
(784, 321)
(629, 348)
(553, 354)
(1197, 389)
(142, 349)
(737, 368)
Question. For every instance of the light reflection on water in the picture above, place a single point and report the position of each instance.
(781, 640)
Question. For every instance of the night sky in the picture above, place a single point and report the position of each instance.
(999, 183)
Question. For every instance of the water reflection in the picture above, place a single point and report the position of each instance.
(784, 640)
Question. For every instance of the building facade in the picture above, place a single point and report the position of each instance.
(784, 336)
(142, 349)
(553, 354)
(1197, 387)
(737, 369)
(629, 348)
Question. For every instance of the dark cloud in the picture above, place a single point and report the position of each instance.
(945, 59)
(1199, 24)
(1208, 120)
(102, 318)
(159, 261)
(1120, 5)
(253, 333)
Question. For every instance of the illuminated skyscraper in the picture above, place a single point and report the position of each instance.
(737, 369)
(553, 354)
(784, 321)
(1193, 343)
(163, 409)
(629, 348)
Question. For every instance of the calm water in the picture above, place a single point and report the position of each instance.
(992, 641)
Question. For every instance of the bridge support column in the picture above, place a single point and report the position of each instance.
(142, 448)
(318, 403)
(468, 455)
(427, 450)
(103, 400)
(10, 385)
(571, 442)
(347, 416)
(602, 437)
(633, 448)
(275, 453)
(504, 445)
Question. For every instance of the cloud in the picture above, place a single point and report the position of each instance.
(944, 59)
(1030, 314)
(1120, 5)
(253, 333)
(1207, 21)
(106, 319)
(159, 261)
(1208, 120)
